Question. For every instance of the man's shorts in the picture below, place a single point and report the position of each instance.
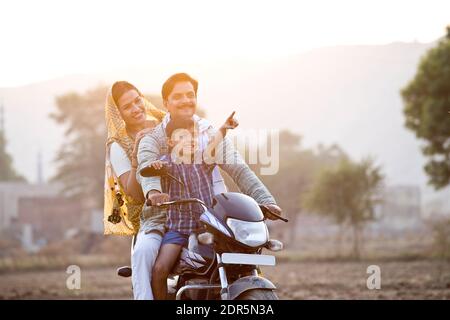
(174, 237)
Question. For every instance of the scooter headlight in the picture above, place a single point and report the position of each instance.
(252, 234)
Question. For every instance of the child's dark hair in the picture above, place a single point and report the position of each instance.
(175, 124)
(174, 79)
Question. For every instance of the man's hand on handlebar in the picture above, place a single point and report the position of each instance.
(273, 212)
(154, 198)
(273, 208)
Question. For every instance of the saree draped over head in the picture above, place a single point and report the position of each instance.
(121, 215)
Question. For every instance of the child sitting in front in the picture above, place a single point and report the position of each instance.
(194, 174)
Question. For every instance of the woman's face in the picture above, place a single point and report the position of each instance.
(131, 108)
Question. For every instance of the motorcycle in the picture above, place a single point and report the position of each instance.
(222, 263)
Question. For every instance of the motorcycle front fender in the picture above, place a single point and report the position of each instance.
(248, 283)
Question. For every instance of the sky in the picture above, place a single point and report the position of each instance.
(46, 39)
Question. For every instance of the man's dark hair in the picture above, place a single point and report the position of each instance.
(175, 124)
(120, 87)
(174, 79)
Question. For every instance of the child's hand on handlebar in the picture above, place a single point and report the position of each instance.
(155, 198)
(158, 164)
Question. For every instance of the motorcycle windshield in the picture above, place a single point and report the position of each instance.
(236, 205)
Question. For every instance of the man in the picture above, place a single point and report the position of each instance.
(179, 95)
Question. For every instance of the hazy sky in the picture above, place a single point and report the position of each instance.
(45, 39)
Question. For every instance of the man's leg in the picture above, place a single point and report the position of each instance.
(168, 255)
(142, 262)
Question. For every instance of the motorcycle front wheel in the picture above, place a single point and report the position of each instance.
(258, 294)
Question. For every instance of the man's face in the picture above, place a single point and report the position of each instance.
(182, 101)
(131, 108)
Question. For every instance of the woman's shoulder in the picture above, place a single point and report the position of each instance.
(116, 148)
(119, 159)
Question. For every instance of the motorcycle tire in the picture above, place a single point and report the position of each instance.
(258, 294)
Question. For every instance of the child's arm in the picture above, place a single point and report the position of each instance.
(230, 123)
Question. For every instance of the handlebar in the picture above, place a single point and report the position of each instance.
(266, 211)
(177, 202)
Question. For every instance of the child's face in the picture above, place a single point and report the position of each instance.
(183, 142)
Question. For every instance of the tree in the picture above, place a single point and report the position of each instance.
(426, 108)
(298, 170)
(348, 194)
(7, 171)
(441, 238)
(81, 158)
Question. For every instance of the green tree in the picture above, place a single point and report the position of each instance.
(81, 158)
(298, 169)
(347, 194)
(441, 238)
(426, 108)
(7, 171)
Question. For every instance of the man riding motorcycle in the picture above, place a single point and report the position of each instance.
(179, 96)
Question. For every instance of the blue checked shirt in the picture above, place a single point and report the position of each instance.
(197, 181)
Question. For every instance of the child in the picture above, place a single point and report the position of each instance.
(193, 174)
(195, 181)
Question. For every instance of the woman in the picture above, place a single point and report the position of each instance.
(129, 116)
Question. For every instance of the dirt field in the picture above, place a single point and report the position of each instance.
(423, 279)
